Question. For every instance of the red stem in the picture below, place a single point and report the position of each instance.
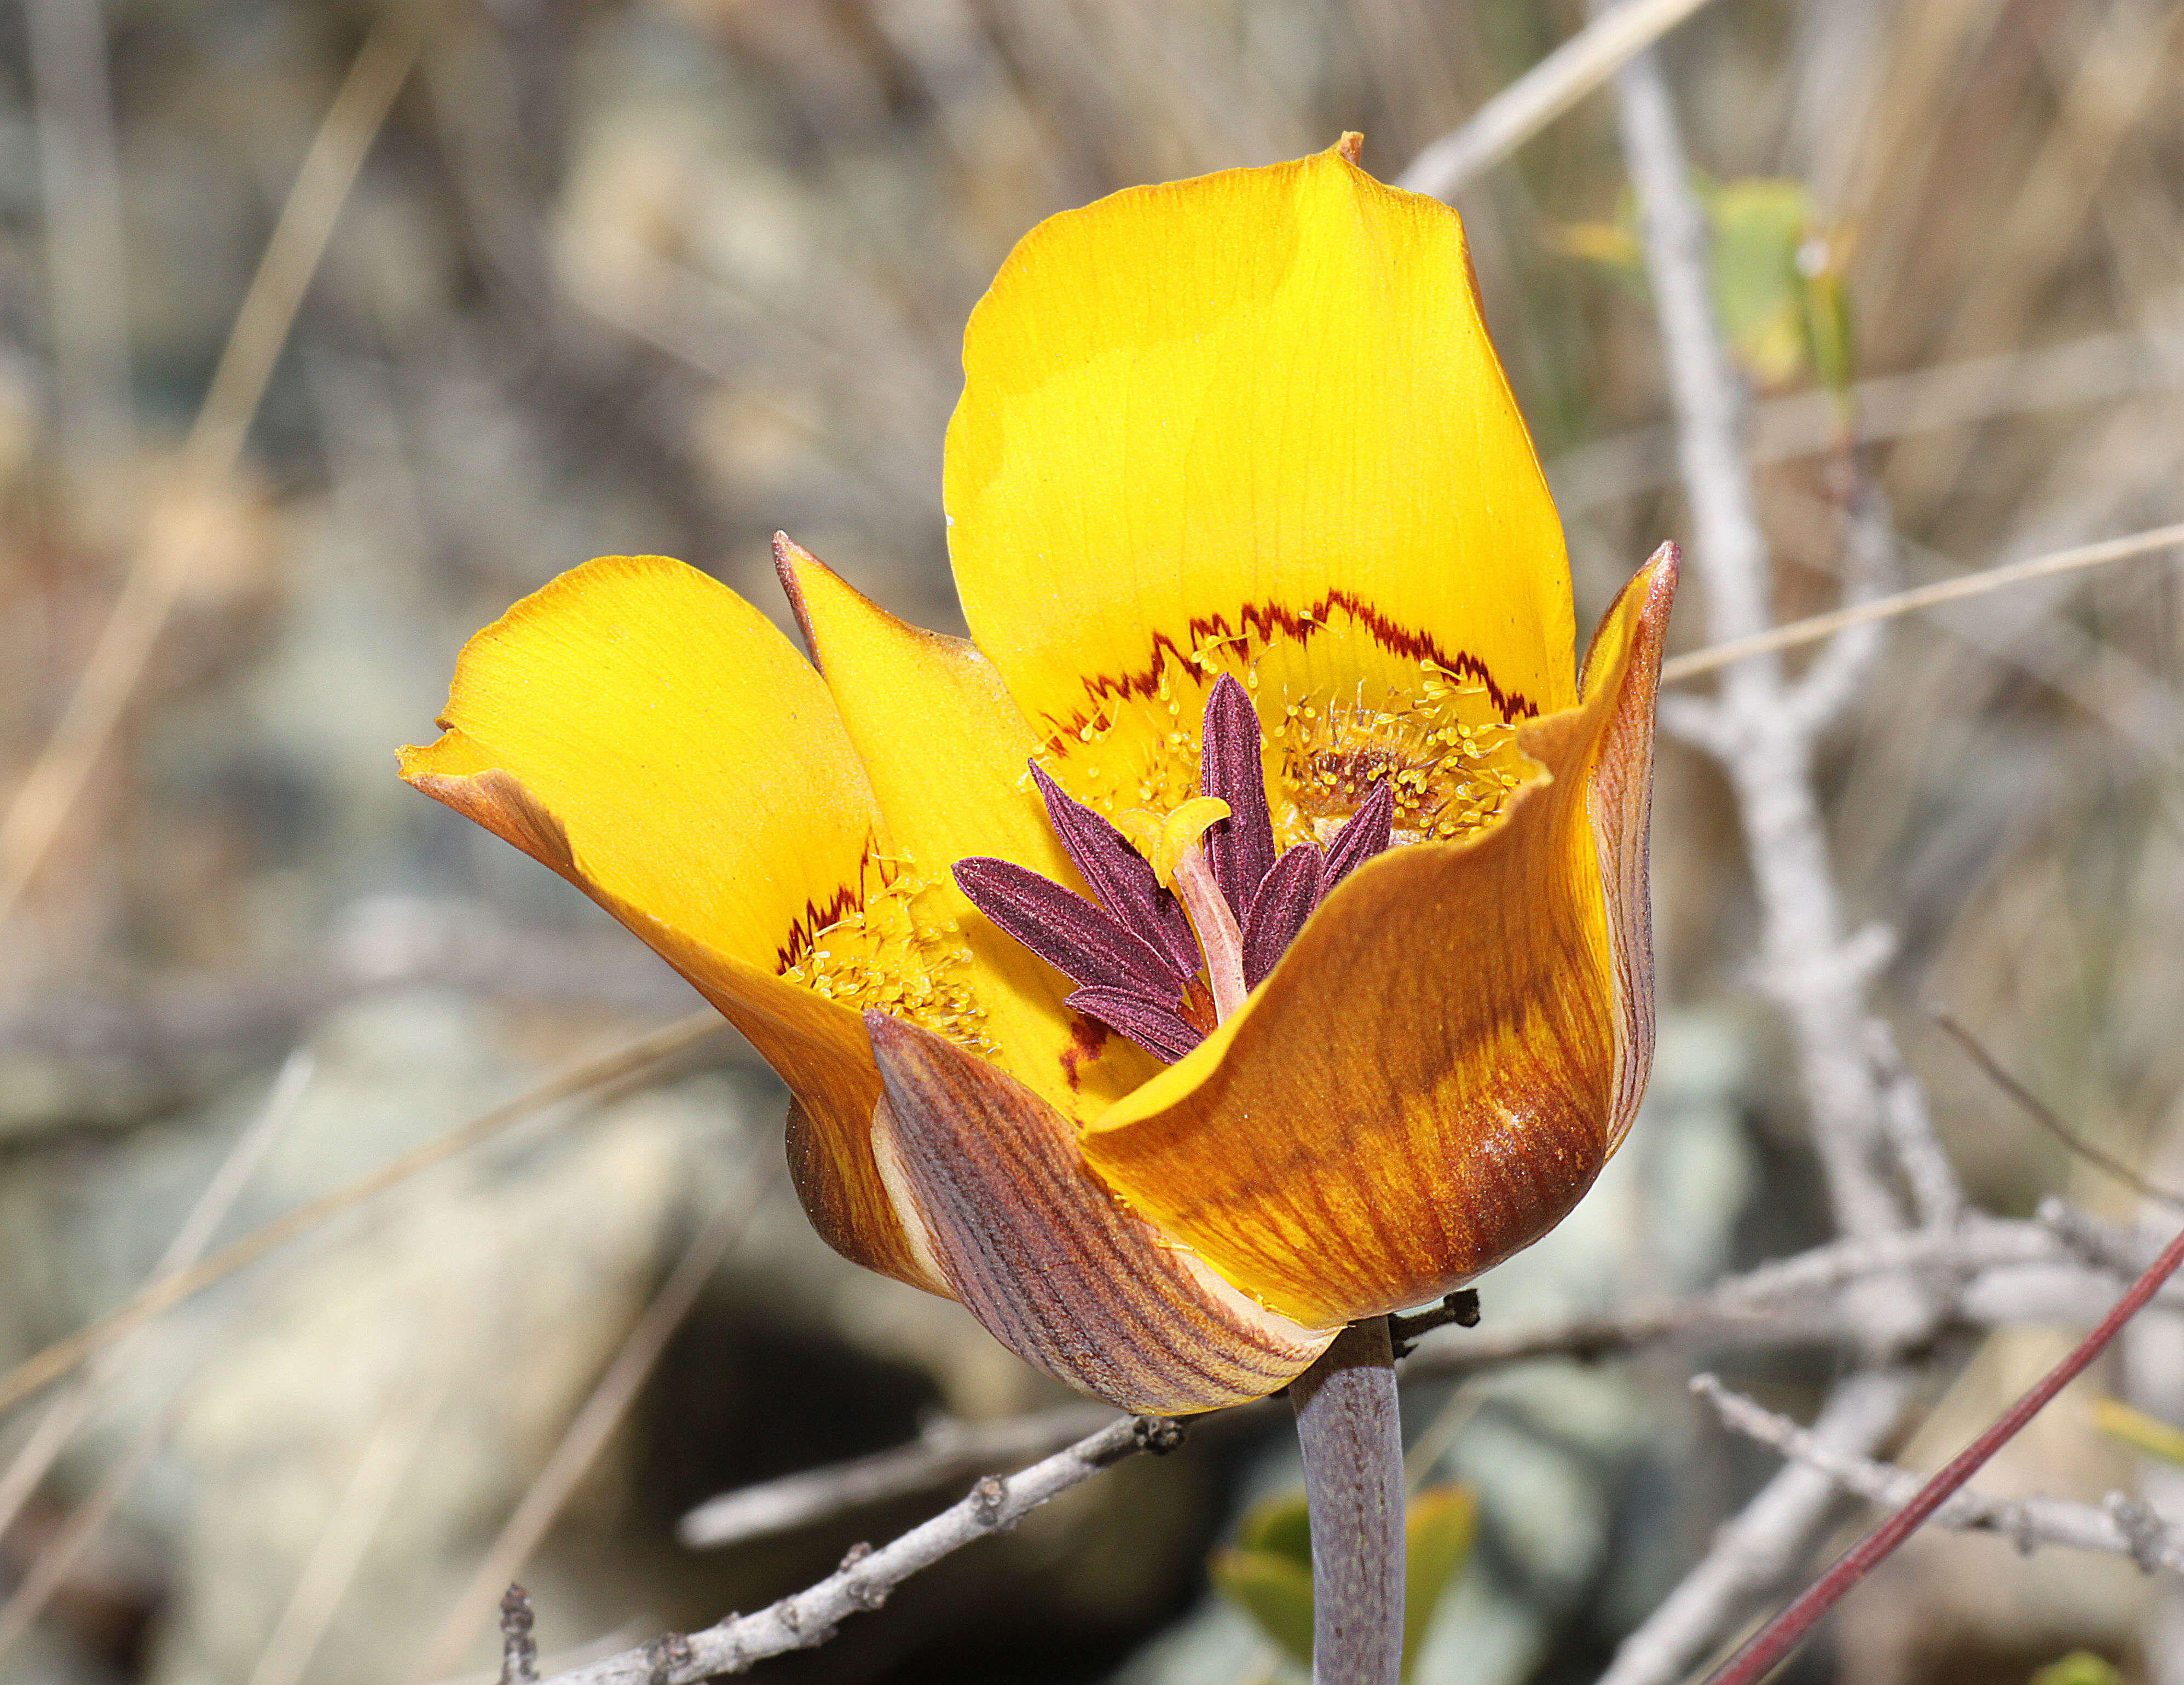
(1775, 1640)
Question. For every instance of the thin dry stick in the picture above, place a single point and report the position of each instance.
(86, 269)
(2125, 1527)
(64, 1355)
(158, 575)
(2044, 1115)
(602, 1413)
(332, 1566)
(1780, 1635)
(867, 1577)
(1566, 76)
(60, 1422)
(1794, 633)
(58, 1559)
(946, 1450)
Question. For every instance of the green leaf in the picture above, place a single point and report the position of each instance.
(1279, 1524)
(2139, 1431)
(1274, 1590)
(1268, 1572)
(1759, 227)
(2080, 1667)
(1437, 1536)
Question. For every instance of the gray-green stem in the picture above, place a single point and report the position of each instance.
(1353, 1475)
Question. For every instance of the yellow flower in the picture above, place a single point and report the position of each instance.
(1235, 480)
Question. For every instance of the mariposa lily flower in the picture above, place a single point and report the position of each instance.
(1245, 932)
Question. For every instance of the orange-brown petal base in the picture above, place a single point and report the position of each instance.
(1442, 1062)
(1054, 1268)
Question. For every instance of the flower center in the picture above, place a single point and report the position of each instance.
(1194, 905)
(898, 951)
(1450, 762)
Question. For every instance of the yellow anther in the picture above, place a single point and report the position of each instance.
(1162, 838)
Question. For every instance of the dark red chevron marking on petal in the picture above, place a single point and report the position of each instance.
(1263, 623)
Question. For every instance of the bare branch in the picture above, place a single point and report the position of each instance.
(2028, 1522)
(946, 1449)
(1935, 1190)
(867, 1577)
(1834, 680)
(2128, 548)
(1566, 76)
(1765, 1544)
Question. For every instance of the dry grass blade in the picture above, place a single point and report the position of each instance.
(387, 1457)
(2044, 1115)
(156, 577)
(64, 1355)
(601, 1414)
(54, 1563)
(59, 1423)
(1575, 69)
(1820, 626)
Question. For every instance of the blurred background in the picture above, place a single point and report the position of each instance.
(620, 276)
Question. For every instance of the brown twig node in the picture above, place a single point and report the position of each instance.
(1159, 1435)
(519, 1649)
(1460, 1309)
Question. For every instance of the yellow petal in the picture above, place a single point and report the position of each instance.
(1046, 1260)
(648, 734)
(946, 752)
(1445, 1057)
(1249, 422)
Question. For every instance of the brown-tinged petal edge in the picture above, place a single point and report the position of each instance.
(1049, 1262)
(1437, 1069)
(817, 1048)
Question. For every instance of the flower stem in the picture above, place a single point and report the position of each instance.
(1353, 1478)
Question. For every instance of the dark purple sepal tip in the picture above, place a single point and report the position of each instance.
(1161, 1033)
(1119, 876)
(1365, 833)
(1066, 931)
(1285, 898)
(1240, 847)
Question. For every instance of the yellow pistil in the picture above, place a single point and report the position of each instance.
(1172, 846)
(897, 953)
(1164, 839)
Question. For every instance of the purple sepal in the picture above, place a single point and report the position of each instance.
(1286, 897)
(1119, 875)
(1363, 835)
(1159, 1032)
(1241, 847)
(1064, 929)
